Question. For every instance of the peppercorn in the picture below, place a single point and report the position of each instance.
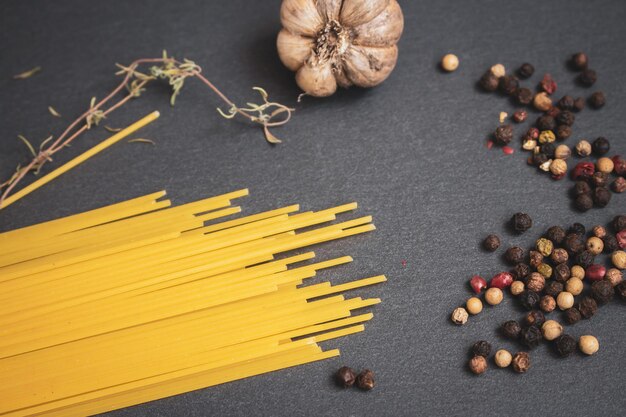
(494, 296)
(501, 280)
(579, 104)
(548, 149)
(566, 117)
(528, 144)
(474, 306)
(521, 362)
(365, 380)
(514, 255)
(519, 116)
(530, 336)
(614, 276)
(579, 61)
(583, 202)
(562, 272)
(559, 256)
(548, 84)
(345, 377)
(595, 272)
(563, 132)
(521, 222)
(504, 134)
(539, 159)
(489, 82)
(577, 228)
(545, 270)
(574, 243)
(459, 316)
(620, 165)
(542, 101)
(619, 185)
(517, 287)
(536, 282)
(553, 288)
(509, 84)
(583, 171)
(478, 284)
(597, 100)
(478, 365)
(600, 179)
(529, 299)
(601, 146)
(578, 271)
(545, 122)
(619, 223)
(556, 234)
(572, 315)
(595, 245)
(551, 330)
(547, 304)
(588, 344)
(534, 318)
(619, 259)
(565, 300)
(566, 103)
(610, 244)
(536, 258)
(562, 152)
(544, 246)
(546, 136)
(524, 96)
(491, 243)
(588, 77)
(587, 307)
(574, 286)
(582, 187)
(521, 271)
(502, 358)
(481, 348)
(602, 291)
(584, 258)
(605, 165)
(525, 71)
(511, 329)
(449, 62)
(601, 196)
(620, 289)
(565, 345)
(583, 148)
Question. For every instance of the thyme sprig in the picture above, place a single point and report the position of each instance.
(267, 114)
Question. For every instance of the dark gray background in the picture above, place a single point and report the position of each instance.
(411, 152)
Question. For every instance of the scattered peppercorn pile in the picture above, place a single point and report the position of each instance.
(563, 271)
(594, 180)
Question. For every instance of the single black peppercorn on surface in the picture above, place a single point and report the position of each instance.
(491, 243)
(553, 288)
(529, 299)
(534, 318)
(577, 229)
(531, 336)
(521, 222)
(345, 377)
(565, 345)
(514, 255)
(556, 234)
(525, 71)
(602, 291)
(587, 307)
(572, 315)
(365, 380)
(482, 348)
(511, 329)
(619, 223)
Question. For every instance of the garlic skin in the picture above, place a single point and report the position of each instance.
(331, 43)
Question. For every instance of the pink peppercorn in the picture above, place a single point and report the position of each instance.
(621, 239)
(583, 170)
(595, 272)
(533, 133)
(619, 165)
(501, 280)
(548, 84)
(478, 283)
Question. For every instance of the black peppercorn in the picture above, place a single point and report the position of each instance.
(521, 271)
(597, 100)
(587, 307)
(521, 222)
(481, 348)
(566, 103)
(365, 380)
(579, 104)
(509, 84)
(610, 243)
(524, 96)
(577, 228)
(583, 202)
(536, 258)
(574, 243)
(511, 329)
(553, 288)
(561, 273)
(579, 61)
(619, 223)
(584, 258)
(565, 345)
(600, 179)
(525, 71)
(563, 132)
(566, 117)
(545, 122)
(489, 82)
(504, 134)
(572, 315)
(530, 336)
(602, 196)
(588, 77)
(514, 255)
(582, 187)
(602, 291)
(534, 318)
(620, 289)
(600, 146)
(491, 243)
(539, 158)
(548, 149)
(345, 377)
(556, 234)
(529, 299)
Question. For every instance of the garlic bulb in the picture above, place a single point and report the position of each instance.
(339, 42)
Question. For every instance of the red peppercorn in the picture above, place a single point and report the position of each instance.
(501, 280)
(621, 239)
(533, 133)
(548, 84)
(619, 165)
(595, 272)
(478, 283)
(520, 115)
(583, 170)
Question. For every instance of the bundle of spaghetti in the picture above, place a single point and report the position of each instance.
(140, 300)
